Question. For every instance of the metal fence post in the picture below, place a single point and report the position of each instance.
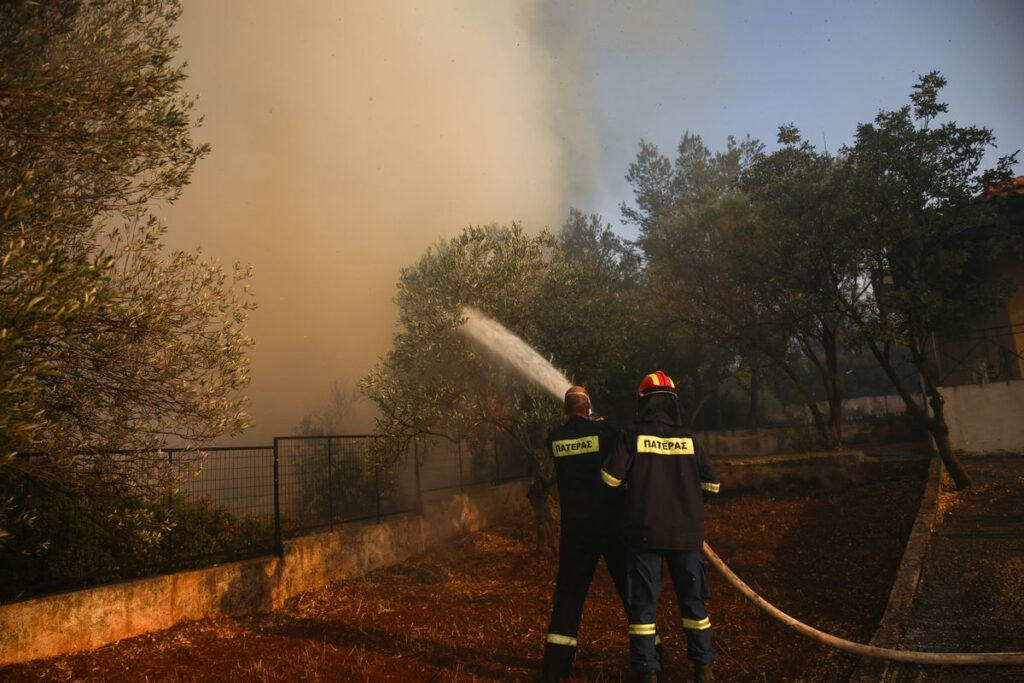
(497, 459)
(461, 486)
(416, 465)
(278, 544)
(376, 485)
(170, 504)
(330, 486)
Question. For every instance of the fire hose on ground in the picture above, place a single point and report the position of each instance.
(909, 656)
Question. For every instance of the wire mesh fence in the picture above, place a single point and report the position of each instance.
(327, 480)
(994, 354)
(147, 513)
(225, 509)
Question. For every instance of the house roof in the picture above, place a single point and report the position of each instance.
(1011, 187)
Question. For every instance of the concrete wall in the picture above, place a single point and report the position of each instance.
(986, 418)
(87, 619)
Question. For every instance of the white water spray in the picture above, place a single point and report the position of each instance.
(508, 347)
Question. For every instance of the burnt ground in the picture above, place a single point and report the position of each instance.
(971, 594)
(476, 608)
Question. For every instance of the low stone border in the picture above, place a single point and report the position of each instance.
(829, 470)
(892, 626)
(87, 619)
(758, 473)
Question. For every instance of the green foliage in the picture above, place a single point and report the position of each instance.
(200, 529)
(57, 537)
(692, 216)
(567, 295)
(108, 341)
(796, 258)
(337, 483)
(926, 243)
(433, 381)
(794, 263)
(346, 487)
(916, 187)
(114, 535)
(589, 319)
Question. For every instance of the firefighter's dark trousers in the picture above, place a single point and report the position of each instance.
(643, 578)
(578, 553)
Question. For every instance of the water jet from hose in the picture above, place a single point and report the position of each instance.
(512, 350)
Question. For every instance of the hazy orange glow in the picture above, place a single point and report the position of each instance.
(348, 137)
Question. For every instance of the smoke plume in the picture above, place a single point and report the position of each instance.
(347, 138)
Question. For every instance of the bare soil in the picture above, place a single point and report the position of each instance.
(971, 595)
(477, 607)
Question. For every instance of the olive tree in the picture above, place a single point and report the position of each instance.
(689, 211)
(436, 382)
(790, 259)
(111, 343)
(924, 241)
(433, 382)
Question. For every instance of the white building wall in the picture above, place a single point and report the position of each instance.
(985, 418)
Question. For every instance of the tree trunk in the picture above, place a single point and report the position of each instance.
(716, 406)
(833, 384)
(819, 420)
(835, 420)
(831, 381)
(934, 423)
(940, 432)
(755, 387)
(952, 462)
(540, 495)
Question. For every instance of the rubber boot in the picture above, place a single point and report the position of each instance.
(557, 663)
(547, 674)
(702, 673)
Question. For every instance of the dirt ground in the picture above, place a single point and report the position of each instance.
(477, 607)
(971, 596)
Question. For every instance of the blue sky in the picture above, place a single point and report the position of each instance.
(746, 67)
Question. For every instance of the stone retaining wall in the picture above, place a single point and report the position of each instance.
(86, 619)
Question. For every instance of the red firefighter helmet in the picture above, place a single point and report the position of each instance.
(656, 383)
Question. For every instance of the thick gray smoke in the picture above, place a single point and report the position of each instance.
(509, 348)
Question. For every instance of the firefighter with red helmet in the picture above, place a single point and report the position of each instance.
(592, 525)
(667, 474)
